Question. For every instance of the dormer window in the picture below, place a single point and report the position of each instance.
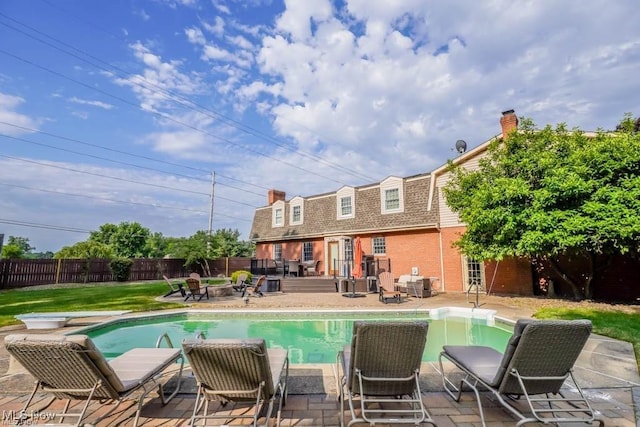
(392, 195)
(345, 203)
(277, 214)
(296, 210)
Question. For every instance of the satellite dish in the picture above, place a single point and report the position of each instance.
(461, 146)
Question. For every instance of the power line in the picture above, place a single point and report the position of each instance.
(122, 179)
(45, 226)
(112, 160)
(165, 116)
(181, 100)
(102, 175)
(106, 199)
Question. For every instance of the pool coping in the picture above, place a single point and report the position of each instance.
(434, 313)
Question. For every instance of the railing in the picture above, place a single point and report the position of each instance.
(372, 266)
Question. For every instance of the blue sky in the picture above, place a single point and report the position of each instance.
(119, 110)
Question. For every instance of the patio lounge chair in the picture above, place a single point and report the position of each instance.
(382, 366)
(196, 289)
(240, 282)
(255, 289)
(387, 288)
(230, 370)
(538, 359)
(71, 367)
(174, 288)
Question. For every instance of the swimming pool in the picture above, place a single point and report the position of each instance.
(310, 337)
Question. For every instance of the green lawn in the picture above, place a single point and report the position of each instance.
(135, 297)
(610, 323)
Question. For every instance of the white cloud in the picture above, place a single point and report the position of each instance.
(217, 28)
(8, 114)
(98, 104)
(409, 77)
(159, 79)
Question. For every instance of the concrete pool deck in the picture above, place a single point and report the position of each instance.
(606, 369)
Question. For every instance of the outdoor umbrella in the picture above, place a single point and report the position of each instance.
(357, 258)
(356, 272)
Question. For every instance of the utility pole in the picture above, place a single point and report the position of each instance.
(213, 187)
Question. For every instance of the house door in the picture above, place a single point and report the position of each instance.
(473, 271)
(332, 259)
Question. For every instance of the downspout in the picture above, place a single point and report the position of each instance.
(442, 286)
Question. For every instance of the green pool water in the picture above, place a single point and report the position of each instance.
(309, 338)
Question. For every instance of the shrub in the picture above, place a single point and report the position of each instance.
(234, 276)
(121, 268)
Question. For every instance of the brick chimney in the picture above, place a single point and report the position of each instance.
(275, 195)
(509, 122)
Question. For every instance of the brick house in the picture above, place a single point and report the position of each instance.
(402, 221)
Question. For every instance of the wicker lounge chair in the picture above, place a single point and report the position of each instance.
(237, 371)
(174, 288)
(196, 289)
(538, 359)
(382, 367)
(387, 288)
(71, 367)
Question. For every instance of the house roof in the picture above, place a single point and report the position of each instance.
(320, 214)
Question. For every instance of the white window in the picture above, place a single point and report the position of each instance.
(277, 251)
(296, 210)
(277, 212)
(391, 199)
(392, 195)
(307, 251)
(346, 208)
(345, 203)
(379, 246)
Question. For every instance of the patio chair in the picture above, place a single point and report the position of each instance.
(312, 268)
(237, 371)
(196, 289)
(387, 288)
(537, 360)
(255, 289)
(240, 283)
(293, 267)
(382, 366)
(174, 288)
(280, 267)
(71, 367)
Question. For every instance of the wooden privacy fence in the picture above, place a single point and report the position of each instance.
(19, 273)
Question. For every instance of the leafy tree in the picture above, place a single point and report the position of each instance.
(226, 243)
(156, 245)
(42, 255)
(17, 247)
(551, 193)
(12, 251)
(127, 239)
(193, 249)
(104, 234)
(88, 249)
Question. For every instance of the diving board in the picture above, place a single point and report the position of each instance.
(58, 319)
